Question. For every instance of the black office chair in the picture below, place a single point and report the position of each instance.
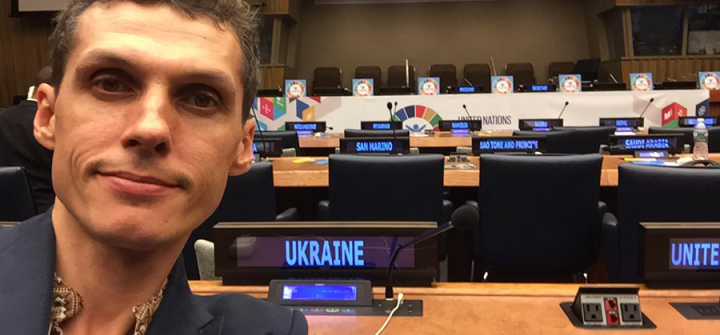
(353, 133)
(447, 74)
(371, 72)
(387, 188)
(289, 140)
(587, 68)
(477, 75)
(327, 77)
(16, 197)
(557, 141)
(539, 215)
(396, 76)
(587, 140)
(523, 73)
(657, 194)
(248, 198)
(713, 136)
(557, 68)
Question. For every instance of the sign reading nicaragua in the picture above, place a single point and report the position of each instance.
(295, 88)
(694, 254)
(502, 84)
(641, 82)
(363, 87)
(570, 83)
(709, 80)
(428, 86)
(323, 251)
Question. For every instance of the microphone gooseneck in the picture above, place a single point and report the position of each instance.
(462, 219)
(563, 109)
(647, 106)
(259, 129)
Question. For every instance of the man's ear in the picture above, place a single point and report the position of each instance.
(44, 124)
(244, 155)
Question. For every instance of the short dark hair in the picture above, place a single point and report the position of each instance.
(235, 13)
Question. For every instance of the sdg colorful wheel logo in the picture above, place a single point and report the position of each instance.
(709, 80)
(295, 88)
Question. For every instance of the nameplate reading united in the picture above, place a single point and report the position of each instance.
(694, 254)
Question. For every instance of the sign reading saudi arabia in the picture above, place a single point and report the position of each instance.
(709, 80)
(428, 86)
(502, 84)
(363, 87)
(295, 88)
(641, 82)
(570, 83)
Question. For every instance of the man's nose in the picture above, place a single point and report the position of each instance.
(150, 130)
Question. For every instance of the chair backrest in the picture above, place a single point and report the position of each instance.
(289, 138)
(523, 73)
(351, 133)
(588, 68)
(327, 77)
(205, 251)
(386, 188)
(714, 139)
(539, 213)
(248, 198)
(16, 197)
(659, 194)
(373, 72)
(587, 140)
(447, 74)
(557, 68)
(396, 76)
(556, 141)
(478, 75)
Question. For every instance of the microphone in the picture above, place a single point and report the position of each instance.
(647, 106)
(467, 81)
(462, 219)
(613, 78)
(466, 112)
(259, 129)
(563, 110)
(389, 107)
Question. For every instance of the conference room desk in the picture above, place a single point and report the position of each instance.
(484, 308)
(305, 172)
(436, 140)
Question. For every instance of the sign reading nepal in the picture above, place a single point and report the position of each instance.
(695, 254)
(325, 253)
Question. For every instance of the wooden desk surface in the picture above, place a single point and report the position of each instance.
(299, 172)
(478, 308)
(437, 140)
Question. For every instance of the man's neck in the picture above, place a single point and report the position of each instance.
(110, 280)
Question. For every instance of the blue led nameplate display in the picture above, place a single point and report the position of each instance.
(646, 143)
(380, 125)
(694, 254)
(306, 127)
(508, 144)
(321, 252)
(541, 88)
(467, 89)
(374, 145)
(542, 129)
(651, 154)
(623, 124)
(267, 147)
(319, 292)
(460, 125)
(534, 124)
(691, 121)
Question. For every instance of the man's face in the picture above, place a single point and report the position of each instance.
(147, 123)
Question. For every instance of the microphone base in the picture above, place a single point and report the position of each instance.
(409, 308)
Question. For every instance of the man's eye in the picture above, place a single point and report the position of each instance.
(202, 100)
(111, 85)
